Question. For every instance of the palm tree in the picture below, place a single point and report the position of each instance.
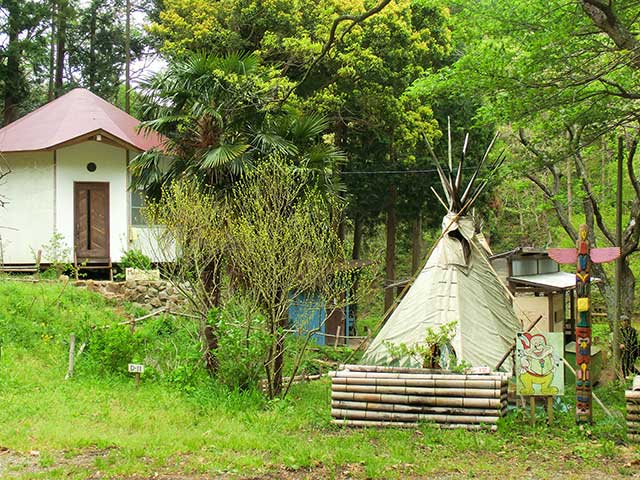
(219, 119)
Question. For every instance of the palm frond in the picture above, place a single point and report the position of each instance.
(223, 155)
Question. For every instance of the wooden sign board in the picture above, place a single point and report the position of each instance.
(539, 364)
(136, 368)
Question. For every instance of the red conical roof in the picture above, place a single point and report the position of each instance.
(77, 114)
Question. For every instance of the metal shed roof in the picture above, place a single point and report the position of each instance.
(556, 280)
(73, 117)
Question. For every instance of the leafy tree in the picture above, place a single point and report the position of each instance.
(282, 246)
(191, 246)
(97, 47)
(23, 24)
(563, 76)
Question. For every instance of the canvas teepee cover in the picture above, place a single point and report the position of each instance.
(456, 284)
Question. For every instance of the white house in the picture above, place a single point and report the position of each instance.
(69, 176)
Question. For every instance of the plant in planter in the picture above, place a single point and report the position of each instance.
(133, 259)
(434, 351)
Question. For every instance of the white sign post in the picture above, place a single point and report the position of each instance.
(136, 369)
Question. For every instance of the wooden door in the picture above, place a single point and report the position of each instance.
(91, 214)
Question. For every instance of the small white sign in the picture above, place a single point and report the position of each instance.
(136, 368)
(479, 370)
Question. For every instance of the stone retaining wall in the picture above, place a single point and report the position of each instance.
(143, 293)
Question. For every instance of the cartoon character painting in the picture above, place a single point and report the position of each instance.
(539, 360)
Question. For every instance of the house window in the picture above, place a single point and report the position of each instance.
(137, 207)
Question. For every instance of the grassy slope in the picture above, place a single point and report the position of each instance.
(91, 424)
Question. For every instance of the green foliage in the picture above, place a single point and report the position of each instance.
(109, 350)
(34, 316)
(57, 253)
(243, 345)
(428, 351)
(133, 258)
(283, 244)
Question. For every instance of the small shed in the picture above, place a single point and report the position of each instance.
(539, 288)
(310, 312)
(69, 177)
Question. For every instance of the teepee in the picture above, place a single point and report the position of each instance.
(457, 284)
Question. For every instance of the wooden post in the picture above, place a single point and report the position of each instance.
(337, 339)
(72, 353)
(615, 340)
(532, 408)
(38, 260)
(550, 410)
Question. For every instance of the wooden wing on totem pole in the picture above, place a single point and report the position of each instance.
(570, 255)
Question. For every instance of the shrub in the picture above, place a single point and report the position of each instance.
(133, 259)
(243, 344)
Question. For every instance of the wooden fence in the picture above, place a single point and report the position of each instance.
(633, 411)
(371, 396)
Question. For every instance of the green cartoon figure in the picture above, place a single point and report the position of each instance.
(537, 366)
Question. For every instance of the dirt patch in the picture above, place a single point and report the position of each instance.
(625, 465)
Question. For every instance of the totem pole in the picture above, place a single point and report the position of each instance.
(583, 256)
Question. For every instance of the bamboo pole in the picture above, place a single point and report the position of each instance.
(368, 371)
(417, 400)
(493, 428)
(369, 423)
(437, 392)
(389, 407)
(632, 395)
(411, 382)
(411, 417)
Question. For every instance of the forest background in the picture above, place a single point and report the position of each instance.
(558, 79)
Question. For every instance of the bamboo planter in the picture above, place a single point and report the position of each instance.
(373, 396)
(633, 411)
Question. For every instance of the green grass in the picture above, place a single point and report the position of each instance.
(92, 423)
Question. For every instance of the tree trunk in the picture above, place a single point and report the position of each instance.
(13, 78)
(61, 42)
(211, 346)
(569, 190)
(356, 253)
(392, 222)
(12, 81)
(416, 243)
(127, 61)
(92, 46)
(52, 50)
(357, 238)
(608, 291)
(211, 282)
(278, 360)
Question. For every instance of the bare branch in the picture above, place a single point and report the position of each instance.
(557, 206)
(591, 197)
(355, 20)
(602, 15)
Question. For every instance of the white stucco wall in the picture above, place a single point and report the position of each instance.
(40, 192)
(145, 239)
(28, 216)
(111, 163)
